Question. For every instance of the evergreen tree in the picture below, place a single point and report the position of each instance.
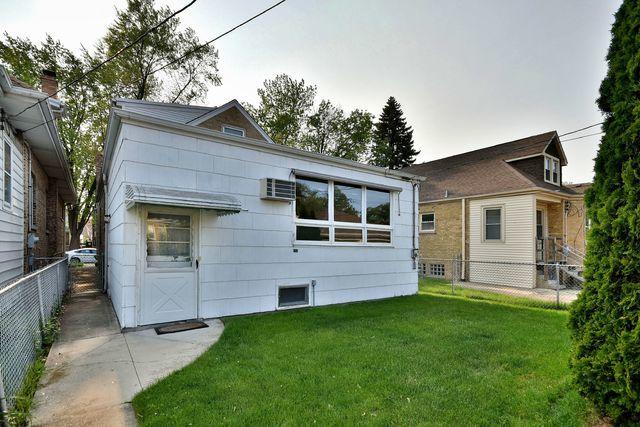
(393, 139)
(604, 319)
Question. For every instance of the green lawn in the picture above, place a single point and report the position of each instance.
(424, 359)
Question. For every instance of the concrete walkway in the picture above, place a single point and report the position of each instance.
(93, 370)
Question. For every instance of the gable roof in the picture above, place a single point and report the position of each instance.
(487, 170)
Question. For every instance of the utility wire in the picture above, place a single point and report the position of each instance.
(181, 57)
(111, 58)
(583, 136)
(581, 129)
(197, 48)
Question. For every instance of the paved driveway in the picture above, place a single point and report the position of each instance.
(93, 370)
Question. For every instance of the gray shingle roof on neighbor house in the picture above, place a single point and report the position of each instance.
(178, 113)
(486, 170)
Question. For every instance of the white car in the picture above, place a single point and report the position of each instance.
(84, 255)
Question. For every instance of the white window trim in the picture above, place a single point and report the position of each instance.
(7, 141)
(422, 230)
(502, 224)
(239, 129)
(332, 225)
(552, 160)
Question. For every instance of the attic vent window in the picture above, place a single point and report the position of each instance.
(232, 130)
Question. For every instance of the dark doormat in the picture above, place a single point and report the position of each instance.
(180, 327)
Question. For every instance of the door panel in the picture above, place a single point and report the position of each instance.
(169, 288)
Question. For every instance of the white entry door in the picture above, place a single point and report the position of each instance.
(169, 288)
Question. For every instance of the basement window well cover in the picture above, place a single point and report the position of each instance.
(291, 296)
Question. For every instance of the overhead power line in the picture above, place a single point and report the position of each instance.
(581, 129)
(202, 46)
(583, 136)
(111, 58)
(186, 54)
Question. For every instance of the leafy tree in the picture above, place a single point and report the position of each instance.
(283, 109)
(78, 127)
(136, 74)
(605, 318)
(286, 111)
(393, 138)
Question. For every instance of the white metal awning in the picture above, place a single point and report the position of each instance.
(148, 194)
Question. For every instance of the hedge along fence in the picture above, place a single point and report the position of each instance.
(26, 307)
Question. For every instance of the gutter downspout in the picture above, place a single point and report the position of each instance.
(464, 238)
(414, 250)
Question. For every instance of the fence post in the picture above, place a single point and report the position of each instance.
(557, 284)
(42, 318)
(4, 410)
(453, 265)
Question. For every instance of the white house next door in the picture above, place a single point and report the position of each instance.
(169, 286)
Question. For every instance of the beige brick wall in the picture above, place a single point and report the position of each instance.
(232, 117)
(446, 241)
(576, 218)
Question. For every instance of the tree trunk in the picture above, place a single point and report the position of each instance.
(75, 241)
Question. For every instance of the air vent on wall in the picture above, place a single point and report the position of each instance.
(277, 189)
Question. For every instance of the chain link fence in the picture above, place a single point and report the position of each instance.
(551, 284)
(26, 305)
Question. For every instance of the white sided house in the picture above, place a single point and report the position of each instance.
(207, 217)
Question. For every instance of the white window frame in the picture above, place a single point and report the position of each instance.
(6, 142)
(422, 221)
(332, 225)
(502, 223)
(551, 162)
(236, 128)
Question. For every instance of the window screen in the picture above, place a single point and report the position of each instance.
(428, 221)
(168, 240)
(7, 173)
(493, 224)
(378, 207)
(312, 199)
(293, 295)
(347, 203)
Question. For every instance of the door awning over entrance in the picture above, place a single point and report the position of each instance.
(148, 194)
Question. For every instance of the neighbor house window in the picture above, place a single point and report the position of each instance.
(7, 181)
(436, 270)
(232, 130)
(493, 224)
(428, 222)
(552, 170)
(293, 296)
(168, 240)
(338, 212)
(33, 199)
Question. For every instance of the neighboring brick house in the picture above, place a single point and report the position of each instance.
(504, 203)
(36, 180)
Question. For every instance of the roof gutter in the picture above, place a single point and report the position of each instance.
(507, 193)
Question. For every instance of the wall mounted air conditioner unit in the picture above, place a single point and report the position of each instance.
(277, 189)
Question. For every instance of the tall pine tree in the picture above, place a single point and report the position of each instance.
(393, 139)
(605, 318)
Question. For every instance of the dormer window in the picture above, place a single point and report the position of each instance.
(232, 130)
(552, 170)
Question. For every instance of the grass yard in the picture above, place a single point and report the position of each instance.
(424, 359)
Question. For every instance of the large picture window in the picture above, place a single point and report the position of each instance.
(330, 211)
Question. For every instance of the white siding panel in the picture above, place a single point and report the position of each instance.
(12, 218)
(518, 245)
(243, 257)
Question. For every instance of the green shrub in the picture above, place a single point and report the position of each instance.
(604, 319)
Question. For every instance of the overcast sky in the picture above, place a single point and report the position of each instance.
(469, 74)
